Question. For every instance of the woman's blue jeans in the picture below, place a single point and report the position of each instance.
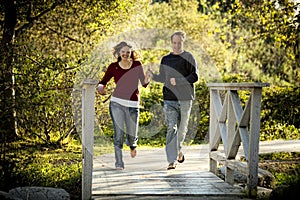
(125, 120)
(177, 115)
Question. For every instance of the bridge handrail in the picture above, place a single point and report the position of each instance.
(230, 122)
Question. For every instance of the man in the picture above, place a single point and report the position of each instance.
(178, 71)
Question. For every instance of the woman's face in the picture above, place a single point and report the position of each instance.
(125, 53)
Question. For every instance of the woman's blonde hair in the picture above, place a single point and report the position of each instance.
(116, 51)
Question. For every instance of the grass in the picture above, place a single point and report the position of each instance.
(285, 166)
(34, 164)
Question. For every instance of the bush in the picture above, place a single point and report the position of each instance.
(280, 116)
(34, 164)
(274, 131)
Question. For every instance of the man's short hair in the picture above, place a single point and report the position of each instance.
(180, 33)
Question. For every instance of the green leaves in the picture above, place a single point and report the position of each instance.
(271, 38)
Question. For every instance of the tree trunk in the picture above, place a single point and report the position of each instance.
(7, 125)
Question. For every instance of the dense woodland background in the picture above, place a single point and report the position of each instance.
(49, 47)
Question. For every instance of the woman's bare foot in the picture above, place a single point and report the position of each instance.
(133, 153)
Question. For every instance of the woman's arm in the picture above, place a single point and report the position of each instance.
(106, 78)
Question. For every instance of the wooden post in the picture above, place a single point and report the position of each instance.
(88, 116)
(229, 174)
(252, 174)
(212, 128)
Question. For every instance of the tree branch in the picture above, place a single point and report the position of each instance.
(31, 20)
(64, 35)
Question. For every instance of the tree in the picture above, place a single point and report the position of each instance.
(7, 127)
(265, 35)
(13, 13)
(45, 44)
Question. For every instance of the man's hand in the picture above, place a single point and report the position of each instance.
(173, 81)
(149, 75)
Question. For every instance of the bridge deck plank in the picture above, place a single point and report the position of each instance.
(147, 175)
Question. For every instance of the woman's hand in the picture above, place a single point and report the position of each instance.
(101, 89)
(149, 75)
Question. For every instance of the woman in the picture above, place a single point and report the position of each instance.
(124, 104)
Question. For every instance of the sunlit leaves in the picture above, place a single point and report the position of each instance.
(270, 39)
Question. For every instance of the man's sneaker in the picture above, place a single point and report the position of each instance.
(180, 157)
(119, 168)
(171, 166)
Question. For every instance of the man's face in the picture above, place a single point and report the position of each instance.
(177, 44)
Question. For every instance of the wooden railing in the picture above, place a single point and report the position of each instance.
(229, 123)
(88, 117)
(232, 124)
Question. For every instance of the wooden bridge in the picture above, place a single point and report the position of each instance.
(146, 176)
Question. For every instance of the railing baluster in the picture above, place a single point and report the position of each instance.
(237, 121)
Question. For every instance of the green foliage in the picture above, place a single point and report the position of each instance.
(272, 131)
(57, 44)
(152, 95)
(52, 49)
(280, 115)
(284, 166)
(145, 118)
(268, 43)
(235, 78)
(152, 130)
(49, 53)
(284, 98)
(202, 94)
(279, 156)
(35, 164)
(42, 100)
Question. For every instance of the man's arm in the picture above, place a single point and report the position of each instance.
(193, 76)
(161, 76)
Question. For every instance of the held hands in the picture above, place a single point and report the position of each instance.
(149, 75)
(101, 89)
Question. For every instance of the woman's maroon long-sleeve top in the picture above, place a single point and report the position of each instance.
(127, 80)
